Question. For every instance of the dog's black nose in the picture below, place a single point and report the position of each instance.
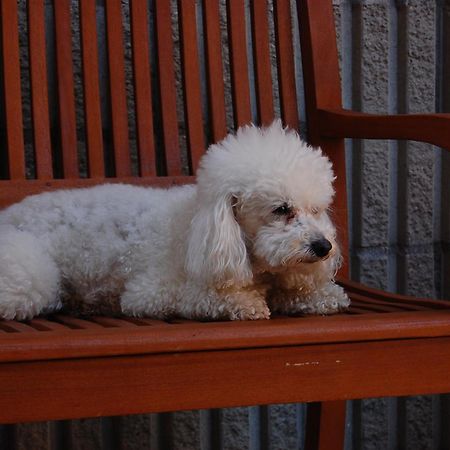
(321, 247)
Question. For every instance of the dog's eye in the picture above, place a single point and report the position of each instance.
(283, 210)
(315, 211)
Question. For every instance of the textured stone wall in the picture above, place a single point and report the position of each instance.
(395, 57)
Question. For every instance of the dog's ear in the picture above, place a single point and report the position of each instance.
(216, 251)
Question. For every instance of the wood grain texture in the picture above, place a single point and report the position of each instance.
(12, 89)
(431, 128)
(167, 92)
(238, 61)
(160, 337)
(39, 90)
(285, 65)
(261, 56)
(323, 88)
(66, 99)
(191, 82)
(325, 425)
(15, 190)
(142, 87)
(119, 109)
(157, 382)
(92, 112)
(214, 70)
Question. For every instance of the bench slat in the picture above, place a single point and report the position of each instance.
(263, 75)
(191, 81)
(119, 110)
(64, 66)
(92, 112)
(142, 87)
(167, 87)
(39, 90)
(239, 63)
(286, 69)
(89, 339)
(14, 191)
(12, 89)
(214, 70)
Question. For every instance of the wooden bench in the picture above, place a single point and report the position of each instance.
(62, 367)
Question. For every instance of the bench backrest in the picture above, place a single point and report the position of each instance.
(94, 92)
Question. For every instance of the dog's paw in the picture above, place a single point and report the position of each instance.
(255, 312)
(330, 299)
(248, 306)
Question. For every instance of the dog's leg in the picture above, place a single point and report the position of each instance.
(29, 278)
(230, 303)
(326, 299)
(143, 296)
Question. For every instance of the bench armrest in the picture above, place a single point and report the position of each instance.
(431, 128)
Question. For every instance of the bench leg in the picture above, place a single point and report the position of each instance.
(325, 426)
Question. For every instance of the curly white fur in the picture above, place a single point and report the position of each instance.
(237, 245)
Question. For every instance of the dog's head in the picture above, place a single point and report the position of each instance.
(263, 206)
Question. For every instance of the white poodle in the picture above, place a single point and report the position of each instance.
(253, 236)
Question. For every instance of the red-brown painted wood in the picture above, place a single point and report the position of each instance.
(66, 99)
(323, 88)
(119, 111)
(431, 128)
(285, 66)
(166, 78)
(92, 112)
(12, 89)
(191, 82)
(142, 87)
(238, 62)
(214, 70)
(263, 74)
(39, 90)
(320, 419)
(14, 191)
(183, 381)
(160, 337)
(358, 288)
